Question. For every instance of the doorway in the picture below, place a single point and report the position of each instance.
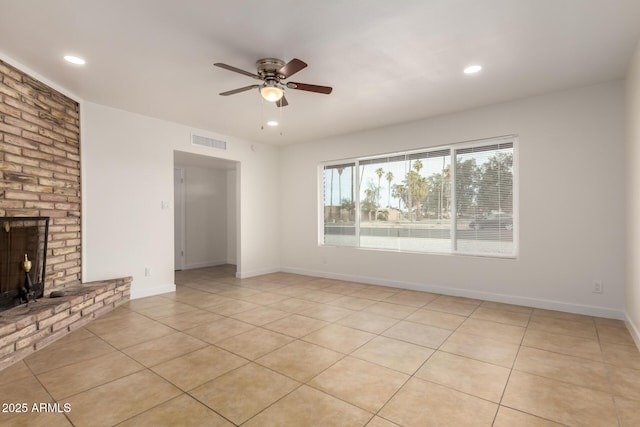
(205, 211)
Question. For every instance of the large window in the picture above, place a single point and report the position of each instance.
(454, 199)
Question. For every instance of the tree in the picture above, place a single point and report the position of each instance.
(417, 189)
(348, 205)
(444, 181)
(400, 193)
(340, 170)
(331, 196)
(389, 177)
(433, 195)
(369, 203)
(495, 186)
(417, 165)
(379, 172)
(467, 177)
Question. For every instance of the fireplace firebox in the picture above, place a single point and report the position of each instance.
(23, 259)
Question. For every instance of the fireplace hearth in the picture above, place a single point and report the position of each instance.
(23, 259)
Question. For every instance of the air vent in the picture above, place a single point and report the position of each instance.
(208, 142)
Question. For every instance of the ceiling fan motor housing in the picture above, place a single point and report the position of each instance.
(268, 68)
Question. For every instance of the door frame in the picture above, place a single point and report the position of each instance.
(179, 217)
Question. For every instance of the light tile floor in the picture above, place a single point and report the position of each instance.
(290, 350)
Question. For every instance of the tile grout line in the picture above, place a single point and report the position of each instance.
(379, 334)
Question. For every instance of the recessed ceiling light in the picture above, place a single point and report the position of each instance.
(472, 69)
(272, 123)
(74, 60)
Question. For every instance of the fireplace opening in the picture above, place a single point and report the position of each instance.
(23, 259)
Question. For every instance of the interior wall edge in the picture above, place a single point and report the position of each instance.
(588, 310)
(149, 292)
(257, 272)
(634, 329)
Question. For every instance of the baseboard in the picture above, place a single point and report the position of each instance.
(204, 264)
(487, 296)
(634, 330)
(258, 272)
(148, 292)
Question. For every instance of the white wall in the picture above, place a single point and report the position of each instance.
(571, 148)
(632, 294)
(127, 171)
(571, 142)
(232, 191)
(205, 217)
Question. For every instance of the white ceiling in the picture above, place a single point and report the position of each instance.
(388, 61)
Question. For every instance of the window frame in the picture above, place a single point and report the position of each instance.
(453, 149)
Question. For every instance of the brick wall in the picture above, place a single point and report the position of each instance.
(40, 167)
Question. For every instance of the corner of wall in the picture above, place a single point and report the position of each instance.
(634, 330)
(148, 292)
(632, 208)
(257, 272)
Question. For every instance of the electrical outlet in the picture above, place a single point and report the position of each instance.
(147, 271)
(597, 287)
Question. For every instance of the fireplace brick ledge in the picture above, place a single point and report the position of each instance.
(24, 330)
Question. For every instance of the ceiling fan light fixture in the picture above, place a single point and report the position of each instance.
(270, 92)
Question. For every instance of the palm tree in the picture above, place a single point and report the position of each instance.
(417, 189)
(331, 197)
(409, 194)
(340, 170)
(389, 177)
(399, 192)
(420, 192)
(379, 172)
(417, 165)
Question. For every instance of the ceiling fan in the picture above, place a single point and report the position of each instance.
(272, 71)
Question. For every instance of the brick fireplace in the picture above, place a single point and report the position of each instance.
(40, 177)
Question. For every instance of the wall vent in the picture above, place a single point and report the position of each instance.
(208, 142)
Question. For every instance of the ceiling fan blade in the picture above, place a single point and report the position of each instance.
(237, 70)
(242, 89)
(291, 68)
(282, 102)
(310, 88)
